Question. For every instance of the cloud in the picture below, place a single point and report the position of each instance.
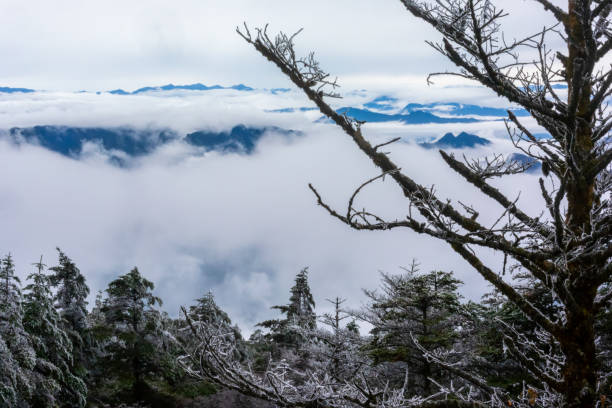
(239, 225)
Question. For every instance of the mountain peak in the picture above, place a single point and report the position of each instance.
(461, 141)
(6, 89)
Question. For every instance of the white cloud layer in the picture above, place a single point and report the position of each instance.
(241, 226)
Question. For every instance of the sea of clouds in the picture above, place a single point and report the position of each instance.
(239, 225)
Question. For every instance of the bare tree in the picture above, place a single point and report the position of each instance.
(568, 246)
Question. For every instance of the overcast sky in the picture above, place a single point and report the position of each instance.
(242, 226)
(76, 44)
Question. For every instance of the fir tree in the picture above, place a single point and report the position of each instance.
(206, 310)
(413, 310)
(300, 310)
(337, 349)
(11, 375)
(18, 355)
(54, 376)
(134, 326)
(96, 317)
(299, 313)
(71, 295)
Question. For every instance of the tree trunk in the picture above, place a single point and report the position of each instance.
(578, 345)
(578, 339)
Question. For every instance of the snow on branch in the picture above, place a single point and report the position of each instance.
(212, 357)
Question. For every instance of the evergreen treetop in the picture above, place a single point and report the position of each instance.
(299, 313)
(54, 377)
(72, 292)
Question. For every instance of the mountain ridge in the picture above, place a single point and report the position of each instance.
(171, 87)
(416, 117)
(461, 141)
(8, 89)
(124, 141)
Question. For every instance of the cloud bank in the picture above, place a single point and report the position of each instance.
(239, 225)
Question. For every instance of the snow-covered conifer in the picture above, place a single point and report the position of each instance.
(70, 297)
(134, 326)
(415, 305)
(55, 382)
(18, 355)
(299, 314)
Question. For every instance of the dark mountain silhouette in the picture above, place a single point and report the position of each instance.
(412, 118)
(15, 90)
(461, 141)
(290, 110)
(239, 139)
(172, 87)
(118, 92)
(69, 141)
(276, 91)
(459, 109)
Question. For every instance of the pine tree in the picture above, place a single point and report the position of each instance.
(413, 310)
(18, 355)
(299, 314)
(96, 317)
(10, 373)
(71, 295)
(206, 310)
(54, 376)
(300, 310)
(134, 325)
(338, 347)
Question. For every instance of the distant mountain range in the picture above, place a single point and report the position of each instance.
(460, 109)
(290, 110)
(122, 141)
(379, 110)
(461, 141)
(388, 103)
(465, 140)
(5, 89)
(239, 139)
(412, 118)
(69, 140)
(171, 87)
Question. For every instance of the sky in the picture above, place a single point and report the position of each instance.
(239, 225)
(74, 45)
